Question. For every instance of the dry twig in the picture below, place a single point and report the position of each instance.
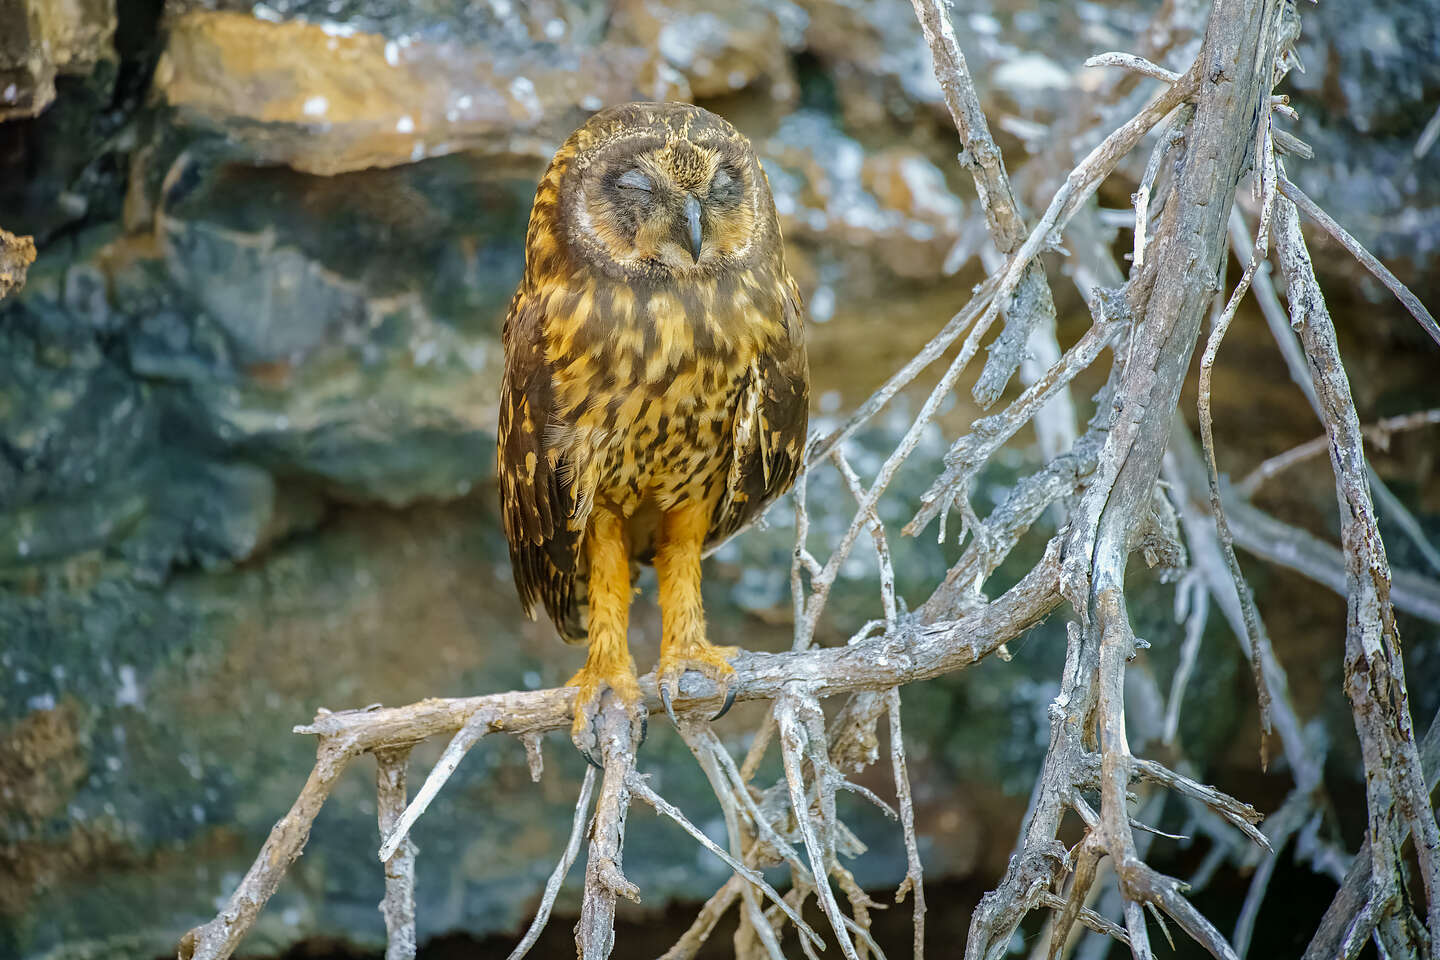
(1378, 433)
(1279, 323)
(1207, 429)
(557, 876)
(399, 903)
(1367, 259)
(1374, 669)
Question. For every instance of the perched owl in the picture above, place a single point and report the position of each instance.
(655, 394)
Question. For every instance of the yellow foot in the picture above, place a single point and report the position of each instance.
(596, 688)
(702, 657)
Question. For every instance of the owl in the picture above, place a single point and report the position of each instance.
(656, 390)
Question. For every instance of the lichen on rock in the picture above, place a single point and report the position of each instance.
(16, 255)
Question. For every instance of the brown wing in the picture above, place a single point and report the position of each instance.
(535, 503)
(770, 427)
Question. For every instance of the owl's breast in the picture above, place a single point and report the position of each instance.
(647, 382)
(677, 449)
(609, 343)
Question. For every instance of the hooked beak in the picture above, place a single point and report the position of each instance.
(692, 221)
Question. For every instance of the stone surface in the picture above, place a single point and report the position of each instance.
(45, 38)
(888, 207)
(384, 85)
(16, 255)
(144, 792)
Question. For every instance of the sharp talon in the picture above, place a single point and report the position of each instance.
(665, 699)
(644, 730)
(729, 702)
(590, 759)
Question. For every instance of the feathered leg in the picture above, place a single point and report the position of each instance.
(609, 664)
(682, 639)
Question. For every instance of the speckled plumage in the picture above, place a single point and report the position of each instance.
(646, 372)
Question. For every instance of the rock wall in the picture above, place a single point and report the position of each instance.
(247, 402)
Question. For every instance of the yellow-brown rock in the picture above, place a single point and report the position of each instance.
(42, 38)
(16, 255)
(894, 205)
(328, 99)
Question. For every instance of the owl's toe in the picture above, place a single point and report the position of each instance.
(703, 658)
(589, 729)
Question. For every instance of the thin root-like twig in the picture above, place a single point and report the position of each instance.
(460, 744)
(1267, 176)
(704, 923)
(562, 868)
(818, 842)
(914, 882)
(641, 789)
(1378, 433)
(1130, 61)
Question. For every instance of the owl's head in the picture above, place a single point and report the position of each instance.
(664, 190)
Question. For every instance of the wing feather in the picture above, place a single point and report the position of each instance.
(771, 420)
(536, 504)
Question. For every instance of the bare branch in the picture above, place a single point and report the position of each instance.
(557, 876)
(699, 931)
(476, 727)
(644, 791)
(1374, 669)
(1241, 815)
(605, 880)
(1195, 598)
(1026, 882)
(219, 938)
(1367, 259)
(398, 906)
(1347, 912)
(913, 652)
(987, 166)
(818, 842)
(1087, 917)
(1239, 50)
(1427, 137)
(1170, 135)
(1128, 61)
(877, 536)
(1378, 433)
(958, 324)
(707, 750)
(914, 882)
(1031, 303)
(1007, 523)
(968, 454)
(534, 759)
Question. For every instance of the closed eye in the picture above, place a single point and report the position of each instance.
(723, 188)
(633, 180)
